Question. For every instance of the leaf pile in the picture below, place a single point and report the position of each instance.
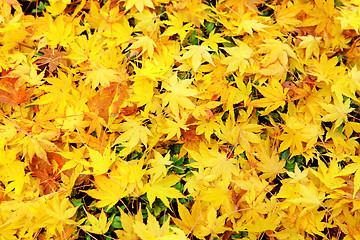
(158, 119)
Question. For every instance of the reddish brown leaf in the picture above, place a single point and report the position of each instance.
(53, 58)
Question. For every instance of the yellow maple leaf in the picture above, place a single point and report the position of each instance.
(56, 7)
(197, 54)
(130, 175)
(12, 172)
(162, 189)
(108, 191)
(330, 175)
(60, 210)
(59, 31)
(310, 197)
(40, 144)
(326, 69)
(208, 127)
(58, 93)
(120, 31)
(189, 221)
(297, 131)
(349, 20)
(139, 4)
(214, 224)
(74, 118)
(176, 26)
(221, 165)
(146, 44)
(203, 178)
(239, 134)
(152, 230)
(100, 163)
(216, 196)
(173, 128)
(133, 133)
(143, 89)
(239, 58)
(286, 15)
(127, 224)
(34, 78)
(158, 165)
(351, 127)
(247, 23)
(213, 40)
(240, 93)
(101, 75)
(337, 112)
(297, 175)
(58, 213)
(354, 83)
(353, 168)
(311, 45)
(269, 163)
(178, 95)
(98, 225)
(281, 54)
(260, 224)
(274, 97)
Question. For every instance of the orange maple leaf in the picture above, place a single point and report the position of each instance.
(15, 96)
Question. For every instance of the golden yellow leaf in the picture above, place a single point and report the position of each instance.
(98, 225)
(274, 97)
(197, 54)
(162, 189)
(101, 162)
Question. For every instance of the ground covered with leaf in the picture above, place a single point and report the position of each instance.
(172, 120)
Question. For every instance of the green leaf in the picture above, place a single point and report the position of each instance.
(116, 222)
(77, 202)
(209, 26)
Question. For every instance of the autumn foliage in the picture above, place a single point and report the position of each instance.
(172, 120)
